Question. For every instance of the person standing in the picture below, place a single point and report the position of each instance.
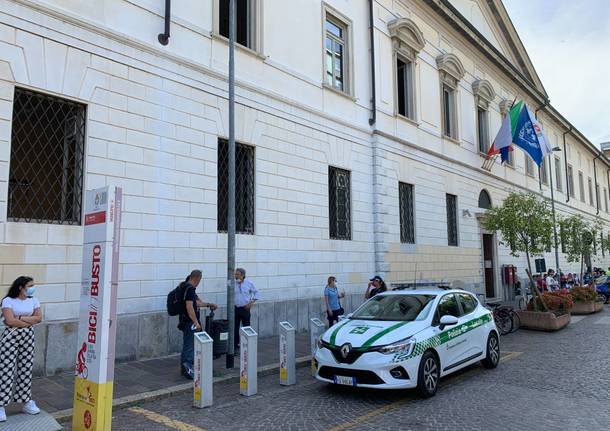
(246, 295)
(189, 321)
(21, 311)
(331, 298)
(376, 285)
(551, 282)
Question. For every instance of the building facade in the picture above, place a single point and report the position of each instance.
(354, 158)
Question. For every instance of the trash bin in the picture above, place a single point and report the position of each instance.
(220, 335)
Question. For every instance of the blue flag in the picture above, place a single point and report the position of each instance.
(529, 137)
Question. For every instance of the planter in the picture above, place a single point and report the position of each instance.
(587, 307)
(543, 321)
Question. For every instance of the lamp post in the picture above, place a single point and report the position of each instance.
(556, 149)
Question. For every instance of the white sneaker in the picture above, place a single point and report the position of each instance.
(31, 408)
(2, 415)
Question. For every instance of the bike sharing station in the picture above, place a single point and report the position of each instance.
(94, 374)
(204, 380)
(287, 354)
(316, 329)
(248, 339)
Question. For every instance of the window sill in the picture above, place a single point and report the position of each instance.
(408, 120)
(239, 47)
(338, 92)
(451, 139)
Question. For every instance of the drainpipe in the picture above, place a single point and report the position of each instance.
(565, 162)
(373, 118)
(164, 37)
(595, 179)
(546, 102)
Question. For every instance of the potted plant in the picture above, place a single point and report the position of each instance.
(525, 223)
(585, 300)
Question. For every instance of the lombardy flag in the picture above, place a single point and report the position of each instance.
(520, 128)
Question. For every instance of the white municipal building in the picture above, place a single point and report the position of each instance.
(346, 166)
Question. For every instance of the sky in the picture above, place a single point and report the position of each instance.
(569, 44)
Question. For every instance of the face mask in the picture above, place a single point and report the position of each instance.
(30, 291)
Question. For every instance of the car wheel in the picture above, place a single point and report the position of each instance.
(428, 375)
(493, 351)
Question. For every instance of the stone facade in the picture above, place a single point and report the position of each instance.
(154, 116)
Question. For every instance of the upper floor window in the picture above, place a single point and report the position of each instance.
(407, 219)
(529, 166)
(451, 72)
(339, 203)
(581, 186)
(484, 94)
(605, 200)
(571, 190)
(46, 164)
(590, 192)
(558, 181)
(505, 106)
(407, 42)
(483, 130)
(245, 22)
(544, 177)
(244, 187)
(336, 52)
(597, 195)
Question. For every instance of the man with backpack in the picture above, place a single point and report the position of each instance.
(184, 302)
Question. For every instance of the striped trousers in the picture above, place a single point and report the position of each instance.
(16, 363)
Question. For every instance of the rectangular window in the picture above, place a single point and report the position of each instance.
(449, 117)
(335, 53)
(571, 182)
(339, 203)
(597, 202)
(558, 182)
(590, 192)
(407, 222)
(404, 87)
(544, 177)
(529, 166)
(244, 21)
(606, 200)
(482, 130)
(511, 159)
(244, 187)
(581, 186)
(452, 224)
(46, 164)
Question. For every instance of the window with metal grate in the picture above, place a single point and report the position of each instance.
(47, 152)
(407, 224)
(339, 203)
(244, 187)
(452, 226)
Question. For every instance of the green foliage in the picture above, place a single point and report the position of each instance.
(557, 302)
(578, 237)
(583, 294)
(525, 222)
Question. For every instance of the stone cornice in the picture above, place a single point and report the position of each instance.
(483, 89)
(405, 31)
(450, 64)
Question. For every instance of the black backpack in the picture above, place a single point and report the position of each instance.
(176, 300)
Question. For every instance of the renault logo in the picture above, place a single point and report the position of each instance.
(346, 349)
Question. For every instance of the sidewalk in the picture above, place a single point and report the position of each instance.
(153, 377)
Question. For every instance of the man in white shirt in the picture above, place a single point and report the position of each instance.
(246, 294)
(551, 283)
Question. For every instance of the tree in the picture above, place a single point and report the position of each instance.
(525, 223)
(578, 237)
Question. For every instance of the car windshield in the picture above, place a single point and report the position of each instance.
(406, 308)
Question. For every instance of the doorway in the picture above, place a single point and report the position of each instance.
(488, 265)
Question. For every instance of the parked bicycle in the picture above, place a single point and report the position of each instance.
(506, 318)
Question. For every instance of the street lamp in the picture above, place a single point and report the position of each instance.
(556, 149)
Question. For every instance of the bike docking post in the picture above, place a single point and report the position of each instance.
(248, 339)
(287, 354)
(316, 329)
(203, 381)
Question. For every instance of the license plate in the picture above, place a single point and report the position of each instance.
(343, 380)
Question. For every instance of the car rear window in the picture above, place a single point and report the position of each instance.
(395, 307)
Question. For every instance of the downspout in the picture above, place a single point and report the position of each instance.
(546, 102)
(565, 162)
(164, 37)
(373, 119)
(596, 185)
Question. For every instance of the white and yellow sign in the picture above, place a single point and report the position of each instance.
(94, 371)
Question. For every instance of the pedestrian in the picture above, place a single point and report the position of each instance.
(331, 298)
(189, 321)
(21, 311)
(551, 283)
(376, 285)
(246, 295)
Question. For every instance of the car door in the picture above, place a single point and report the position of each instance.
(470, 318)
(452, 343)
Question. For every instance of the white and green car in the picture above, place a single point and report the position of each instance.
(408, 339)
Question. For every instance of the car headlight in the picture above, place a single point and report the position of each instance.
(403, 346)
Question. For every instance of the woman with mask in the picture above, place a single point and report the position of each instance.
(20, 311)
(331, 298)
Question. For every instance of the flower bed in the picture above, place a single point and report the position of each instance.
(585, 300)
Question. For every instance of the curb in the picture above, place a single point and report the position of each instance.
(130, 400)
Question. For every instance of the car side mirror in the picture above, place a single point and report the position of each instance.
(448, 320)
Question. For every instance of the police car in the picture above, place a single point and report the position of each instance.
(408, 339)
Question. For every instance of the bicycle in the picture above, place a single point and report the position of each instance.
(504, 317)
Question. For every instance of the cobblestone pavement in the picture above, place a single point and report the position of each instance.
(560, 381)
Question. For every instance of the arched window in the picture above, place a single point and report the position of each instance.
(484, 200)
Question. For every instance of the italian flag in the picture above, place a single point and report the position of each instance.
(503, 142)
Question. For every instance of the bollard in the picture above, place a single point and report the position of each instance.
(287, 354)
(203, 380)
(316, 329)
(248, 339)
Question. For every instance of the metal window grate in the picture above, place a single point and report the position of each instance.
(452, 228)
(244, 187)
(339, 200)
(47, 151)
(407, 225)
